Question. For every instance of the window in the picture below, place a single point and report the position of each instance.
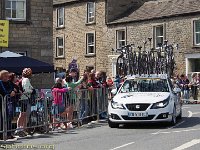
(197, 32)
(90, 43)
(15, 10)
(89, 68)
(90, 12)
(158, 35)
(121, 38)
(60, 17)
(59, 47)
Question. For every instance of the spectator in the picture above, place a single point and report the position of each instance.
(6, 88)
(194, 85)
(184, 82)
(92, 83)
(58, 106)
(110, 85)
(14, 100)
(72, 96)
(25, 101)
(117, 82)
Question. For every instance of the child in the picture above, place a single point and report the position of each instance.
(58, 106)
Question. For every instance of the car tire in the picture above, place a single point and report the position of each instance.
(174, 118)
(112, 124)
(180, 115)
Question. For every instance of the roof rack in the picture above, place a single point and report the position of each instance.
(133, 61)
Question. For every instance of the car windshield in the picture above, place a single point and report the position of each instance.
(145, 85)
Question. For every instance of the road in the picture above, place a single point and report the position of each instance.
(185, 135)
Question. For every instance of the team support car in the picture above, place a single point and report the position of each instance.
(145, 99)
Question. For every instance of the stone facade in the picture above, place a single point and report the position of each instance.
(178, 30)
(74, 34)
(129, 15)
(34, 35)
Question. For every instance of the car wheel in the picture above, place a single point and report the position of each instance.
(173, 121)
(180, 115)
(112, 124)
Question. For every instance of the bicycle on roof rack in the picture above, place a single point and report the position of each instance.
(147, 61)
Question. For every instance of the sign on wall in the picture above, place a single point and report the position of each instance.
(4, 32)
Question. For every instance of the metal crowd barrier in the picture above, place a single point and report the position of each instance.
(40, 113)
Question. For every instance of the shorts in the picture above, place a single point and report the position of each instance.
(25, 105)
(57, 109)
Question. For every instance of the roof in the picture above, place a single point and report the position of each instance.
(156, 9)
(57, 2)
(16, 63)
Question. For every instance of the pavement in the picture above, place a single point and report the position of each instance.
(185, 135)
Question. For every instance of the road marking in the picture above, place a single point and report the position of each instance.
(178, 131)
(190, 114)
(196, 113)
(188, 144)
(160, 131)
(123, 146)
(185, 107)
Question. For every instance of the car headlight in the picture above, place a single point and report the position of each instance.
(161, 104)
(116, 105)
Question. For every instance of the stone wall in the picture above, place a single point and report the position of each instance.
(178, 30)
(75, 36)
(35, 35)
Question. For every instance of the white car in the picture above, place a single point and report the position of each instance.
(145, 99)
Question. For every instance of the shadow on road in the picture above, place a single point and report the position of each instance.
(189, 122)
(183, 123)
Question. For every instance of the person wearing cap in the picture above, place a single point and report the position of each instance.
(25, 102)
(6, 88)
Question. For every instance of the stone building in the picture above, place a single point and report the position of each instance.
(177, 21)
(31, 31)
(118, 23)
(80, 32)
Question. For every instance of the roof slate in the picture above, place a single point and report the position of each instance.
(159, 9)
(56, 2)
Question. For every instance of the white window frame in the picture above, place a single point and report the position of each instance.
(17, 19)
(88, 13)
(62, 17)
(92, 44)
(61, 47)
(155, 34)
(118, 40)
(195, 33)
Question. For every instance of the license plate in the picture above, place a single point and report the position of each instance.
(138, 114)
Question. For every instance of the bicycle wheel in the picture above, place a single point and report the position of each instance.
(135, 70)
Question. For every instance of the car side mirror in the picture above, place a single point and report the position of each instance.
(177, 90)
(114, 91)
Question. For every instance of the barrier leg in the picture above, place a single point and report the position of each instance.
(4, 115)
(97, 93)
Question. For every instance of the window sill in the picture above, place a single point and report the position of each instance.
(60, 57)
(90, 55)
(58, 28)
(196, 46)
(90, 23)
(19, 22)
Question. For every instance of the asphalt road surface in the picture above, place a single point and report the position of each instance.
(184, 136)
